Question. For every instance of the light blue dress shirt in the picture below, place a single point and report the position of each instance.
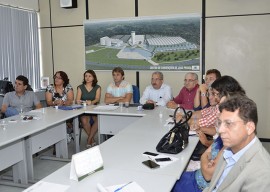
(231, 159)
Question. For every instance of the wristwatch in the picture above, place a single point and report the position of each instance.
(203, 94)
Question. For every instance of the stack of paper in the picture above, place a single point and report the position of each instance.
(106, 107)
(125, 187)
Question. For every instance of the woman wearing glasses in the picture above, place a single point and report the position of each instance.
(61, 92)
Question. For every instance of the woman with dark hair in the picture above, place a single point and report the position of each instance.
(89, 92)
(61, 92)
(227, 85)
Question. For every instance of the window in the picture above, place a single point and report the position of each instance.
(19, 45)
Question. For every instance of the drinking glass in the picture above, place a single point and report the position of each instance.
(21, 110)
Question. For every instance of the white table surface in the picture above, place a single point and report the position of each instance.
(143, 135)
(123, 155)
(18, 130)
(148, 181)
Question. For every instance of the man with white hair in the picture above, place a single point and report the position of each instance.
(158, 92)
(186, 96)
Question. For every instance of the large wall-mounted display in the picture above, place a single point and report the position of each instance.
(168, 43)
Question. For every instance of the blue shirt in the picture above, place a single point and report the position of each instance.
(231, 159)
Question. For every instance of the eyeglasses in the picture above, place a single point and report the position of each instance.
(228, 124)
(209, 79)
(27, 118)
(56, 77)
(213, 94)
(189, 80)
(155, 79)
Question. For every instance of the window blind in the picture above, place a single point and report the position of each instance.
(19, 45)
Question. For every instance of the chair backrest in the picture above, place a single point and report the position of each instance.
(5, 87)
(136, 94)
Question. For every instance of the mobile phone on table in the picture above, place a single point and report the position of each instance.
(163, 159)
(150, 153)
(151, 164)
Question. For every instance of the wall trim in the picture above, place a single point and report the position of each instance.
(242, 15)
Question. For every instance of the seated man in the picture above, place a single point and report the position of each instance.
(20, 100)
(119, 90)
(201, 100)
(245, 164)
(158, 92)
(185, 98)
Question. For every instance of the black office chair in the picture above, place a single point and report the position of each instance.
(2, 115)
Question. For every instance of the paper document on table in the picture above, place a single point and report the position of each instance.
(106, 107)
(125, 187)
(43, 186)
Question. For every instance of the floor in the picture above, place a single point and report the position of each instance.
(42, 168)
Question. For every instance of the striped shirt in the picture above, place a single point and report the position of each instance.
(120, 91)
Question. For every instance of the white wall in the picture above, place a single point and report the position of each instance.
(239, 46)
(236, 45)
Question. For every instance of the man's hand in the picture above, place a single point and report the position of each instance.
(203, 88)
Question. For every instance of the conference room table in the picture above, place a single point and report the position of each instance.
(123, 154)
(22, 138)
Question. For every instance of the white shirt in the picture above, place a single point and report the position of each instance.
(160, 96)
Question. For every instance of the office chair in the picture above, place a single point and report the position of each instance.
(136, 94)
(2, 115)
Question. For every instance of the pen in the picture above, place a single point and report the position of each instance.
(120, 188)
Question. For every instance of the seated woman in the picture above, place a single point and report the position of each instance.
(60, 93)
(89, 92)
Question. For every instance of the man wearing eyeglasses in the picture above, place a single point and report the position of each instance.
(185, 98)
(245, 164)
(158, 92)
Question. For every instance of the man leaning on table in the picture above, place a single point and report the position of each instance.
(185, 98)
(158, 92)
(20, 99)
(245, 164)
(119, 90)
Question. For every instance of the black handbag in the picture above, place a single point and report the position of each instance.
(148, 106)
(176, 139)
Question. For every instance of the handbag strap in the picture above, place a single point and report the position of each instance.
(185, 118)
